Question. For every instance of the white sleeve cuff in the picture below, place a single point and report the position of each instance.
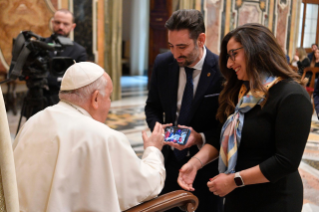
(156, 152)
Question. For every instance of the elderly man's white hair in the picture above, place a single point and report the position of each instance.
(82, 95)
(80, 81)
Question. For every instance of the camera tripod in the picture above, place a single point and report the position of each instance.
(34, 100)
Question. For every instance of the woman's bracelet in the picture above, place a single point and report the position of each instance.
(199, 161)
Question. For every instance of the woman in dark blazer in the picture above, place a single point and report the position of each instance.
(302, 60)
(264, 134)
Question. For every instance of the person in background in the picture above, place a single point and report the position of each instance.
(313, 48)
(67, 159)
(315, 63)
(315, 59)
(184, 90)
(62, 25)
(287, 58)
(264, 133)
(316, 98)
(301, 59)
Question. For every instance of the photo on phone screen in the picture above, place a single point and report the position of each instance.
(176, 135)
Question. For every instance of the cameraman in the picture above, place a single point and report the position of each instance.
(62, 24)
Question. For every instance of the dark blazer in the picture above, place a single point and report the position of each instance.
(310, 55)
(77, 53)
(161, 107)
(303, 64)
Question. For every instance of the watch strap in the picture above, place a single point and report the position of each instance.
(238, 180)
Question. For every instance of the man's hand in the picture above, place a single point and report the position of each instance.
(156, 139)
(166, 125)
(194, 139)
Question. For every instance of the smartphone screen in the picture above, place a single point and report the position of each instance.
(176, 135)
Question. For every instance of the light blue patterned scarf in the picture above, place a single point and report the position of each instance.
(232, 129)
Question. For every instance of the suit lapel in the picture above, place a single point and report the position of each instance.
(206, 77)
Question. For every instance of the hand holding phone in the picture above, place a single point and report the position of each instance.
(176, 134)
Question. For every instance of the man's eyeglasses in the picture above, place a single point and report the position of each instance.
(232, 54)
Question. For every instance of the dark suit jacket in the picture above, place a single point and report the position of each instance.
(302, 65)
(161, 103)
(310, 55)
(161, 107)
(77, 53)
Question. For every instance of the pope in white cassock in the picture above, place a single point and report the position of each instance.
(67, 159)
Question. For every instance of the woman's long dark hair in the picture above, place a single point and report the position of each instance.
(263, 55)
(313, 61)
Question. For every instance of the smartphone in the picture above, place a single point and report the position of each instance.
(176, 135)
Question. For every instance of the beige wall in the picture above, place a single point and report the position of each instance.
(221, 16)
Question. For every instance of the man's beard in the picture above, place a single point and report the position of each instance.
(185, 63)
(64, 35)
(189, 59)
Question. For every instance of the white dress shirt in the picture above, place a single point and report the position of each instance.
(182, 82)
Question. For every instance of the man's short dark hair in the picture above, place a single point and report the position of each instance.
(187, 19)
(66, 11)
(314, 44)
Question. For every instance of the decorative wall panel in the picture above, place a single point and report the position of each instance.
(222, 16)
(283, 14)
(249, 13)
(19, 15)
(83, 32)
(253, 11)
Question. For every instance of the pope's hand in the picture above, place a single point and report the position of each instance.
(156, 139)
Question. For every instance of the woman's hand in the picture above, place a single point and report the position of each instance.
(222, 184)
(187, 175)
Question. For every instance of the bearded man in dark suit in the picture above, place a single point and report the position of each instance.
(189, 69)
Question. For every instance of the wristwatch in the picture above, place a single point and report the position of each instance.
(238, 180)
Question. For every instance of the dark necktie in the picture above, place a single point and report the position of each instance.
(185, 108)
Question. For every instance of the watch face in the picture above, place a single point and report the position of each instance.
(238, 181)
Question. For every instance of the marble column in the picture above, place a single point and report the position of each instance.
(294, 31)
(113, 44)
(187, 4)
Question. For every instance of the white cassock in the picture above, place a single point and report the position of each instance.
(67, 161)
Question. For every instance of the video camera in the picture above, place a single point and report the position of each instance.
(31, 59)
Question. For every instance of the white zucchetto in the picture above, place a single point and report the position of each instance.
(80, 74)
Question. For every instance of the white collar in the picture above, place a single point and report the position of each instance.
(76, 107)
(199, 65)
